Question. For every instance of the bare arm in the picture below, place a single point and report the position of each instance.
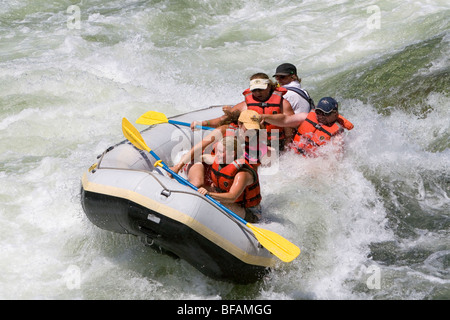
(283, 120)
(288, 111)
(214, 136)
(216, 121)
(287, 108)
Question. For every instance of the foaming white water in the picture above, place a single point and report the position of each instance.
(64, 91)
(336, 208)
(336, 215)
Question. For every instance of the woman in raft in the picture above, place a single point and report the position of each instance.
(229, 174)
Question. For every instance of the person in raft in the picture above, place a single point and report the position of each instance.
(264, 97)
(319, 126)
(299, 98)
(234, 184)
(256, 149)
(228, 176)
(245, 127)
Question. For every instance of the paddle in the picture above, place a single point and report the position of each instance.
(276, 244)
(153, 117)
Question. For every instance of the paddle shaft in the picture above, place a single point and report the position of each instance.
(262, 233)
(188, 125)
(186, 182)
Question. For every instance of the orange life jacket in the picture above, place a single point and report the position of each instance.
(222, 176)
(310, 134)
(231, 130)
(273, 105)
(345, 123)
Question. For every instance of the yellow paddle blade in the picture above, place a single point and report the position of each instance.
(131, 133)
(276, 244)
(152, 117)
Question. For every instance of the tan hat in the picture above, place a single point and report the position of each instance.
(259, 84)
(251, 119)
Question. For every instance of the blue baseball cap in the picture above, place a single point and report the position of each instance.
(327, 105)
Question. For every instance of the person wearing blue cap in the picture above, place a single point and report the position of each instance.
(314, 128)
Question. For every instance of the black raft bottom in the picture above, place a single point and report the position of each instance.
(124, 216)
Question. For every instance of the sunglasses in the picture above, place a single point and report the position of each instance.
(321, 113)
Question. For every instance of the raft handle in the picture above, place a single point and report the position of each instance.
(166, 193)
(146, 242)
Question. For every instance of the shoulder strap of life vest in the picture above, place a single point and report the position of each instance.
(312, 120)
(275, 100)
(237, 165)
(319, 127)
(304, 94)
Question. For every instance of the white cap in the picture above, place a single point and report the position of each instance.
(259, 84)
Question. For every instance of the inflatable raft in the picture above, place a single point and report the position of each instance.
(124, 193)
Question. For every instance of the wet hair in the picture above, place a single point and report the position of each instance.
(296, 77)
(231, 117)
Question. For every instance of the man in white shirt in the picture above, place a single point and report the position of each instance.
(300, 100)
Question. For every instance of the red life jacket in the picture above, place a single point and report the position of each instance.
(310, 134)
(222, 176)
(273, 105)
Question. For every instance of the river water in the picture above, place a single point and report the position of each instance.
(372, 225)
